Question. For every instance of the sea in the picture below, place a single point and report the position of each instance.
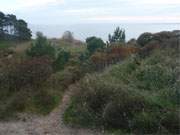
(82, 31)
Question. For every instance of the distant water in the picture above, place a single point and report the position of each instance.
(82, 31)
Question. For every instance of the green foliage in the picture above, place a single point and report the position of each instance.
(45, 100)
(119, 112)
(78, 116)
(69, 76)
(12, 28)
(4, 44)
(171, 121)
(84, 56)
(2, 17)
(94, 43)
(146, 123)
(155, 77)
(41, 47)
(137, 96)
(28, 84)
(118, 36)
(23, 32)
(62, 59)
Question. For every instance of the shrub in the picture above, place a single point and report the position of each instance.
(155, 77)
(120, 112)
(145, 123)
(89, 101)
(123, 52)
(77, 115)
(87, 67)
(123, 72)
(66, 77)
(144, 38)
(84, 56)
(99, 59)
(113, 55)
(106, 102)
(94, 43)
(176, 93)
(45, 100)
(171, 121)
(62, 59)
(20, 82)
(137, 96)
(30, 73)
(18, 102)
(41, 47)
(97, 94)
(149, 48)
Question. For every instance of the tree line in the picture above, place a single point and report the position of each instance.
(12, 28)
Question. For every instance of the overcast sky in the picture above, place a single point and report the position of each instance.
(57, 12)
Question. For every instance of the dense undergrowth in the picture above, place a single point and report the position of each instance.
(131, 87)
(141, 95)
(34, 75)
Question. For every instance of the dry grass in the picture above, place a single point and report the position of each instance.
(21, 47)
(74, 47)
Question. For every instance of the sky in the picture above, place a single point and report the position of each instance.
(56, 12)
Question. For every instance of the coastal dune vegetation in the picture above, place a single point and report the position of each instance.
(122, 87)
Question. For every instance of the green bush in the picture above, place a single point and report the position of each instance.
(171, 121)
(106, 102)
(92, 96)
(62, 59)
(123, 71)
(84, 56)
(66, 77)
(136, 96)
(120, 112)
(77, 115)
(155, 77)
(45, 100)
(145, 123)
(12, 103)
(41, 47)
(94, 43)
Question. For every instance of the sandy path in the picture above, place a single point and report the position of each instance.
(48, 125)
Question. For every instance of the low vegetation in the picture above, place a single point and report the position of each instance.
(137, 96)
(123, 87)
(41, 47)
(140, 95)
(34, 77)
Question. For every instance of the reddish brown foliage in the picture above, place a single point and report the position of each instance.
(123, 52)
(114, 55)
(146, 50)
(30, 73)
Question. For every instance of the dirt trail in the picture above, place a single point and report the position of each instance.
(48, 125)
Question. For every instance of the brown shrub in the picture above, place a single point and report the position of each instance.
(123, 52)
(114, 55)
(30, 73)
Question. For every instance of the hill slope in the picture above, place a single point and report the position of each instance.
(141, 95)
